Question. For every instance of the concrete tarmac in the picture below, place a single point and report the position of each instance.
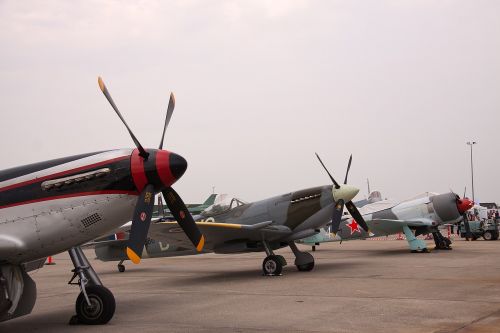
(357, 286)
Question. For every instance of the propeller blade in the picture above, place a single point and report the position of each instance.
(465, 190)
(348, 168)
(140, 223)
(357, 215)
(324, 167)
(170, 111)
(337, 215)
(143, 153)
(468, 234)
(184, 218)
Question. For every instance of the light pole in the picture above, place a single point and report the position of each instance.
(471, 143)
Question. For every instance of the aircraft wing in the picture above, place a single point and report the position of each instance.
(419, 222)
(215, 233)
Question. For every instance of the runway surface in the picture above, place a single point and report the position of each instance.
(357, 286)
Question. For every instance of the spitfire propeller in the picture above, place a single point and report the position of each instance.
(343, 195)
(153, 171)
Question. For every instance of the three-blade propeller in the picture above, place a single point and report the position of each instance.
(343, 195)
(143, 211)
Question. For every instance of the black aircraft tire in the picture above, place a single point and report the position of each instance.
(121, 268)
(103, 308)
(272, 265)
(306, 267)
(488, 235)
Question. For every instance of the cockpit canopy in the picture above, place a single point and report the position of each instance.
(223, 203)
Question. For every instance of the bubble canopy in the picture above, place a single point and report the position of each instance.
(223, 203)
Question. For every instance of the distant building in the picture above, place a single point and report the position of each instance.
(489, 205)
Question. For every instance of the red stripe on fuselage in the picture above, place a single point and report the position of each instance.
(72, 195)
(163, 167)
(62, 173)
(137, 170)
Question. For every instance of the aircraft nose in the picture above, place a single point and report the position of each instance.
(178, 165)
(345, 192)
(464, 205)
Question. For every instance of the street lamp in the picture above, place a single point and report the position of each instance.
(471, 143)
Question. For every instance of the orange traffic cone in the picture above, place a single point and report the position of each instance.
(50, 261)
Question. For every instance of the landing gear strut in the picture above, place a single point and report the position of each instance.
(121, 266)
(273, 264)
(95, 304)
(303, 260)
(442, 243)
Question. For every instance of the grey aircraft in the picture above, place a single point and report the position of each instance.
(112, 247)
(417, 216)
(231, 225)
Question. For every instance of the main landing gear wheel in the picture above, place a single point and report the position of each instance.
(442, 243)
(96, 304)
(272, 265)
(304, 261)
(101, 309)
(306, 267)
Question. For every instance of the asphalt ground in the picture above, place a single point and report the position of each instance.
(357, 286)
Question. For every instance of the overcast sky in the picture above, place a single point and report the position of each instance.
(260, 86)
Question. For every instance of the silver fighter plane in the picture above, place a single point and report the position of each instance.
(420, 215)
(55, 206)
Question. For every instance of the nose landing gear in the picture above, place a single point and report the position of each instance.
(96, 304)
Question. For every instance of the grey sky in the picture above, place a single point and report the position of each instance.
(260, 86)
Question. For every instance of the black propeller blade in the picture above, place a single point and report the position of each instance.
(183, 217)
(324, 167)
(337, 215)
(468, 234)
(356, 215)
(140, 223)
(348, 168)
(143, 153)
(170, 111)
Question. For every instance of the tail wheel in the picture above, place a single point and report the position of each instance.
(102, 306)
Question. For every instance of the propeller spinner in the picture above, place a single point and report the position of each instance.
(153, 171)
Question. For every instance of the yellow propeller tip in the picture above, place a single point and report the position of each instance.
(101, 83)
(133, 256)
(201, 244)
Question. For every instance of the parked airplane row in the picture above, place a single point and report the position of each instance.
(58, 205)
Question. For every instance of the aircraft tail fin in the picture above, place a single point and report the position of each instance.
(210, 200)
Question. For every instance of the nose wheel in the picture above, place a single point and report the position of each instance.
(95, 304)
